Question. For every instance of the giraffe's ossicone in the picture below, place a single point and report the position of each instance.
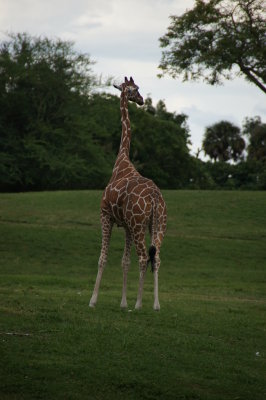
(136, 204)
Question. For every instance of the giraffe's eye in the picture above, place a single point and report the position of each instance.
(132, 90)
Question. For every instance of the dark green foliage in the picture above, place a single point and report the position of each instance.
(45, 140)
(158, 146)
(56, 134)
(222, 141)
(200, 176)
(212, 38)
(248, 175)
(255, 130)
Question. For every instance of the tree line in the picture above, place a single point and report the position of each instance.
(58, 131)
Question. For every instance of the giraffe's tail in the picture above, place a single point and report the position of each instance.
(152, 252)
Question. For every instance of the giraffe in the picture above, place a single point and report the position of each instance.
(135, 203)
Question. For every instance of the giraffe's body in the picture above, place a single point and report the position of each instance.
(135, 203)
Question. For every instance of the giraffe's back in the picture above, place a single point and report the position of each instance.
(130, 200)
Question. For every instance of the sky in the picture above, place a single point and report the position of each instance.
(122, 36)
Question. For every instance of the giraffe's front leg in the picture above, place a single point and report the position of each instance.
(125, 266)
(106, 235)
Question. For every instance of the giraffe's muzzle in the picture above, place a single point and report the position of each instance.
(140, 101)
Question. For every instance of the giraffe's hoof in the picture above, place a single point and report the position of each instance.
(123, 305)
(92, 304)
(156, 307)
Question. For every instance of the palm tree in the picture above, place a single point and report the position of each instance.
(223, 142)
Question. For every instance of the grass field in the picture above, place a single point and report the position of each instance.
(207, 342)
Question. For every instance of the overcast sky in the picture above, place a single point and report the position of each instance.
(122, 37)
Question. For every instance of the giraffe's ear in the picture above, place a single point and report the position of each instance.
(118, 87)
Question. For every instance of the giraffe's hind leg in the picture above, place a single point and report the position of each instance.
(143, 259)
(161, 227)
(125, 266)
(106, 235)
(156, 304)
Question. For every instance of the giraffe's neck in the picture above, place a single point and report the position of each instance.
(126, 130)
(123, 168)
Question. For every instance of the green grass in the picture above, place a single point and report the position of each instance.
(208, 340)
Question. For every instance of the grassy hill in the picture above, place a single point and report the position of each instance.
(208, 340)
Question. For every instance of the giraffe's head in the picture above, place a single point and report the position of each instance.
(132, 91)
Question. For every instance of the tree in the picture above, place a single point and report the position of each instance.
(214, 37)
(160, 149)
(57, 132)
(45, 139)
(255, 130)
(223, 141)
(148, 106)
(159, 146)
